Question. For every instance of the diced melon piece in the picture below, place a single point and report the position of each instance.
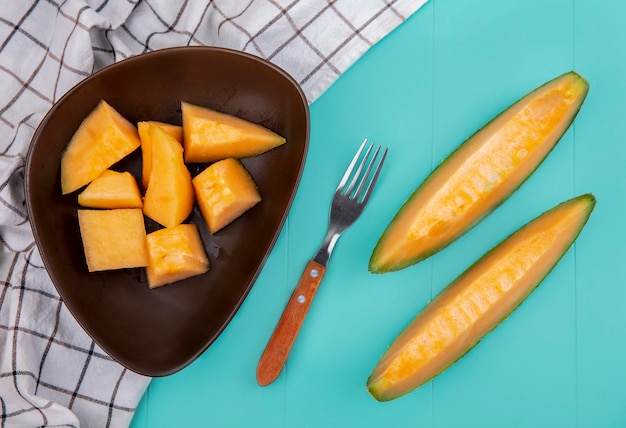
(211, 136)
(102, 139)
(146, 145)
(176, 253)
(169, 198)
(113, 239)
(112, 189)
(224, 191)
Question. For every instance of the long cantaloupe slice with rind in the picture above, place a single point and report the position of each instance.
(478, 300)
(480, 174)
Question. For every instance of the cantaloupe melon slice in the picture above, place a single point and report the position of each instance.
(146, 145)
(102, 139)
(478, 300)
(224, 191)
(113, 239)
(176, 253)
(112, 189)
(169, 198)
(480, 174)
(210, 136)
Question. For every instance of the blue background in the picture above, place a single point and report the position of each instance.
(559, 360)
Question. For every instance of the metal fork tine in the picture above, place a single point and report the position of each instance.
(346, 176)
(357, 174)
(366, 175)
(372, 182)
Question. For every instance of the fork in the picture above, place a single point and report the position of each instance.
(351, 196)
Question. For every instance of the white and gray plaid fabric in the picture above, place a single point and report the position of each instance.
(51, 372)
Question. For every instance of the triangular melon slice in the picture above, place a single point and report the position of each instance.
(112, 189)
(211, 136)
(478, 300)
(102, 139)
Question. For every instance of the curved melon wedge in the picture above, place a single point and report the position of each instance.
(169, 199)
(478, 300)
(480, 174)
(146, 145)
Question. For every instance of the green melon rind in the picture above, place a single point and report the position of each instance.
(588, 199)
(377, 268)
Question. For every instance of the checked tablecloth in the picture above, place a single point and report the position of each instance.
(51, 372)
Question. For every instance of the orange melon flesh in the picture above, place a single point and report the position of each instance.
(146, 145)
(211, 136)
(169, 198)
(112, 189)
(480, 174)
(102, 139)
(224, 191)
(478, 300)
(113, 239)
(176, 253)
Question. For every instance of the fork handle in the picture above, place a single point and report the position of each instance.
(281, 341)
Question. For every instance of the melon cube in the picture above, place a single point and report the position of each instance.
(113, 239)
(112, 189)
(169, 198)
(210, 136)
(146, 145)
(102, 139)
(176, 253)
(224, 191)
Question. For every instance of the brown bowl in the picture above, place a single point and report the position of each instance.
(158, 332)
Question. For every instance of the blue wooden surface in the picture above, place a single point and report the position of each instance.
(559, 360)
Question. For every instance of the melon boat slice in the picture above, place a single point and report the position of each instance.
(480, 174)
(478, 300)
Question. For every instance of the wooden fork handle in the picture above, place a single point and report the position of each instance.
(281, 341)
